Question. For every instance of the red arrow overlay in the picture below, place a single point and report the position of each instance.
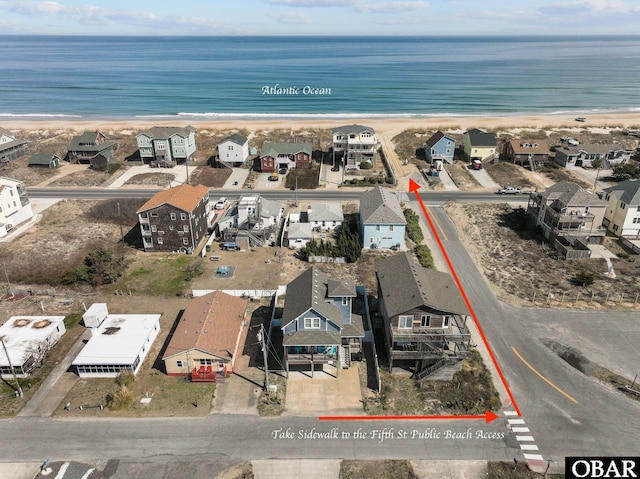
(487, 416)
(413, 188)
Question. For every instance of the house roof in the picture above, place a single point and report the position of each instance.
(235, 138)
(568, 193)
(21, 335)
(325, 212)
(627, 191)
(164, 132)
(42, 158)
(7, 133)
(311, 338)
(310, 290)
(436, 137)
(118, 340)
(339, 289)
(380, 206)
(592, 149)
(275, 149)
(481, 138)
(521, 147)
(405, 285)
(352, 129)
(184, 197)
(211, 323)
(269, 208)
(87, 142)
(299, 231)
(12, 143)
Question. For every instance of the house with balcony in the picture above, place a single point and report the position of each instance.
(622, 216)
(11, 147)
(233, 151)
(583, 155)
(255, 218)
(479, 145)
(425, 317)
(355, 144)
(570, 218)
(175, 219)
(382, 221)
(277, 156)
(530, 153)
(208, 338)
(166, 146)
(92, 148)
(440, 147)
(319, 326)
(15, 207)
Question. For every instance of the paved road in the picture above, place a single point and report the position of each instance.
(602, 422)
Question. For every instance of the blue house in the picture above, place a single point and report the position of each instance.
(382, 221)
(318, 323)
(440, 147)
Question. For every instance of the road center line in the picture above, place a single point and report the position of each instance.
(444, 236)
(542, 377)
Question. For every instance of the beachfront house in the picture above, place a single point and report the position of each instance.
(479, 145)
(167, 146)
(570, 218)
(531, 153)
(355, 144)
(285, 156)
(119, 344)
(318, 324)
(91, 148)
(11, 147)
(382, 221)
(208, 338)
(440, 147)
(15, 207)
(425, 317)
(233, 151)
(27, 341)
(44, 160)
(622, 216)
(583, 155)
(175, 219)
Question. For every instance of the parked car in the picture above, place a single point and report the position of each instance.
(283, 171)
(274, 176)
(581, 119)
(335, 168)
(221, 204)
(508, 190)
(476, 164)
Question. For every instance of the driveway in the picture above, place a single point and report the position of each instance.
(324, 394)
(238, 176)
(482, 177)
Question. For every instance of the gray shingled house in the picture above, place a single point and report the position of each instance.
(318, 322)
(424, 316)
(10, 147)
(382, 221)
(91, 148)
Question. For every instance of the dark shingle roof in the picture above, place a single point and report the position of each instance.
(42, 158)
(160, 132)
(275, 149)
(379, 206)
(87, 143)
(235, 138)
(406, 285)
(309, 290)
(627, 191)
(571, 194)
(349, 129)
(435, 138)
(481, 138)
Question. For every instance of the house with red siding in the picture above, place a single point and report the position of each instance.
(276, 156)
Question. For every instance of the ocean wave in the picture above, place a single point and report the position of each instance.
(38, 115)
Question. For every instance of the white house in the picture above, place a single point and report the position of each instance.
(28, 339)
(622, 216)
(258, 212)
(10, 147)
(234, 149)
(299, 235)
(120, 343)
(14, 205)
(326, 216)
(355, 144)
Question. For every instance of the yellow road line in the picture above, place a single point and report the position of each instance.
(542, 377)
(435, 221)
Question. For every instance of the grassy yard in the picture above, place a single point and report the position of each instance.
(396, 469)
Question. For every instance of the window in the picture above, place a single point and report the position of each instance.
(206, 362)
(185, 241)
(311, 323)
(425, 320)
(615, 227)
(144, 215)
(230, 147)
(160, 232)
(160, 240)
(622, 205)
(170, 227)
(405, 322)
(390, 227)
(377, 227)
(345, 301)
(637, 209)
(154, 228)
(636, 220)
(185, 228)
(183, 216)
(148, 241)
(179, 363)
(446, 321)
(173, 216)
(154, 214)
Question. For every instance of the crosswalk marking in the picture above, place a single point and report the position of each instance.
(510, 413)
(524, 438)
(528, 447)
(520, 429)
(516, 421)
(533, 457)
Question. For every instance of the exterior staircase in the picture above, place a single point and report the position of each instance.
(345, 357)
(443, 369)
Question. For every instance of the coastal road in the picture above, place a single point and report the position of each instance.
(581, 416)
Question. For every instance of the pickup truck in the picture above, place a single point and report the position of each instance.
(508, 190)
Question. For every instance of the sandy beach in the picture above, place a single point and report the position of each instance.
(394, 124)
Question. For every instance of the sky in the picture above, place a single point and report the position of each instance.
(320, 17)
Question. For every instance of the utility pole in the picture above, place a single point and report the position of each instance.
(265, 354)
(13, 371)
(120, 222)
(8, 282)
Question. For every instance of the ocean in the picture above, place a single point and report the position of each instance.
(309, 77)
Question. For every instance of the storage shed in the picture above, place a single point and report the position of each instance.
(95, 315)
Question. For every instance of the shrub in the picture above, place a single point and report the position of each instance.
(584, 278)
(425, 258)
(413, 226)
(121, 399)
(365, 165)
(126, 379)
(100, 266)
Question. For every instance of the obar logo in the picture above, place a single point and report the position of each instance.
(601, 467)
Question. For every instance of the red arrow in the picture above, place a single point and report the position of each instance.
(487, 416)
(413, 188)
